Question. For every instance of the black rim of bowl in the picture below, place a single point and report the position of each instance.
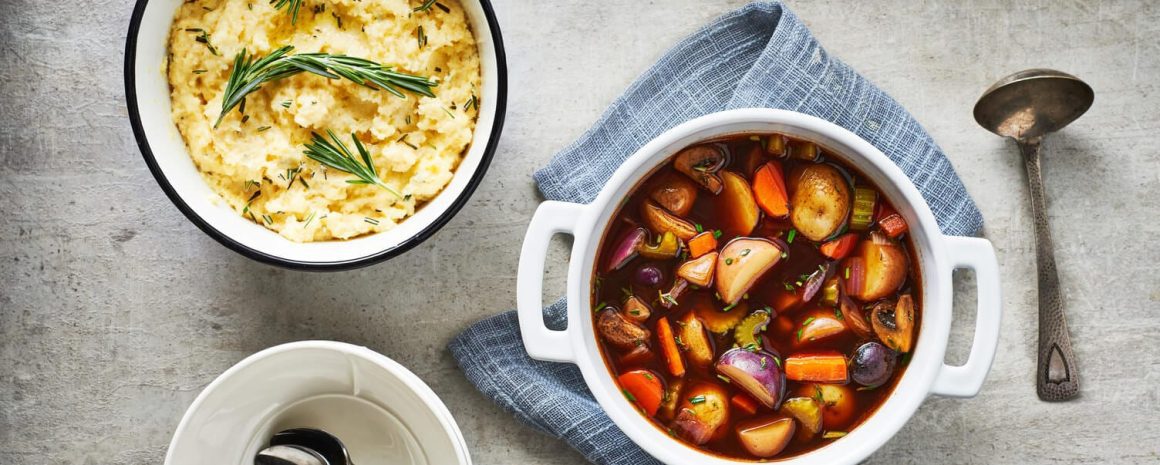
(401, 247)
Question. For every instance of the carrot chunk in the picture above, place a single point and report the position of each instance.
(669, 348)
(837, 249)
(744, 404)
(823, 367)
(769, 190)
(643, 388)
(702, 244)
(891, 222)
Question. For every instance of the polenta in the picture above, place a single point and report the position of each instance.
(254, 159)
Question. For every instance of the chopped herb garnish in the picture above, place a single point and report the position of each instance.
(600, 307)
(808, 321)
(799, 334)
(833, 434)
(697, 400)
(763, 362)
(285, 104)
(203, 37)
(421, 36)
(847, 272)
(784, 255)
(700, 229)
(472, 102)
(628, 395)
(717, 234)
(263, 128)
(268, 219)
(404, 140)
(371, 220)
(729, 261)
(443, 7)
(308, 220)
(788, 286)
(792, 234)
(425, 6)
(723, 378)
(838, 313)
(199, 71)
(729, 307)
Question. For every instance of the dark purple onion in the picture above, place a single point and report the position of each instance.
(872, 364)
(649, 276)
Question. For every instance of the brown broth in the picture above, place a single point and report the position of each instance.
(803, 257)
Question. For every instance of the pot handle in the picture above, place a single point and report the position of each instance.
(966, 380)
(551, 218)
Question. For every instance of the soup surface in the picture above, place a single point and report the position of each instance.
(755, 297)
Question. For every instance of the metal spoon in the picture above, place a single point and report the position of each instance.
(1027, 106)
(304, 446)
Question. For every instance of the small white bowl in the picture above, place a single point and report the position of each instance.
(382, 412)
(938, 257)
(147, 91)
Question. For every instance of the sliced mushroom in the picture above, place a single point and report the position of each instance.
(701, 163)
(893, 322)
(619, 331)
(675, 193)
(636, 309)
(661, 221)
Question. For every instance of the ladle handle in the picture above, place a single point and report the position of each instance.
(1057, 378)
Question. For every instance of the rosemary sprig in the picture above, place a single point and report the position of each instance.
(249, 73)
(425, 6)
(334, 154)
(292, 7)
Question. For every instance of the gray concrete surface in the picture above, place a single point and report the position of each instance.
(115, 311)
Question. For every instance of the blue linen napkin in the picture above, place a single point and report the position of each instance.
(759, 56)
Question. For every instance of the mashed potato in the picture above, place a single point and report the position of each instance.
(255, 160)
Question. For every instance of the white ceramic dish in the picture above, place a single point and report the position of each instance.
(938, 255)
(147, 92)
(382, 412)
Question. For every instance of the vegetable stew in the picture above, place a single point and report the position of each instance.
(755, 297)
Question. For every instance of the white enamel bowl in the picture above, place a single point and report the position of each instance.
(938, 257)
(382, 412)
(147, 92)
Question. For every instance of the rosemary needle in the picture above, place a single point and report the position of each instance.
(292, 7)
(334, 154)
(249, 73)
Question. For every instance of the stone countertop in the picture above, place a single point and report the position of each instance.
(115, 311)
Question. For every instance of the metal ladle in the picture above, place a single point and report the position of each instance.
(304, 446)
(1027, 106)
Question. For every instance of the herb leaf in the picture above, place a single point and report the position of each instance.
(292, 7)
(334, 154)
(249, 73)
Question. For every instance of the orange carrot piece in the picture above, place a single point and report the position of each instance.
(744, 404)
(643, 388)
(669, 347)
(822, 367)
(837, 249)
(702, 244)
(769, 190)
(893, 225)
(890, 221)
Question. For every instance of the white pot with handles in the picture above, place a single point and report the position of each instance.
(938, 256)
